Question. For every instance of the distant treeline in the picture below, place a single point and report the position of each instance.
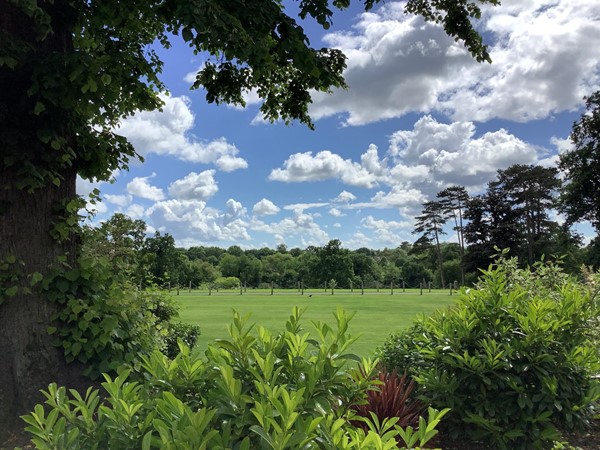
(516, 212)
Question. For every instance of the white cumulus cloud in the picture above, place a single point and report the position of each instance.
(85, 187)
(299, 225)
(195, 186)
(345, 197)
(546, 57)
(388, 232)
(229, 163)
(300, 207)
(451, 154)
(324, 165)
(140, 187)
(169, 132)
(192, 222)
(419, 162)
(406, 200)
(135, 211)
(265, 207)
(119, 200)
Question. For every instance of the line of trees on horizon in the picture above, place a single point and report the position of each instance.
(516, 212)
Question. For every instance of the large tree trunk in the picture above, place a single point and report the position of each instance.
(28, 360)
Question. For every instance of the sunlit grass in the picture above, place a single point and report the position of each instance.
(377, 314)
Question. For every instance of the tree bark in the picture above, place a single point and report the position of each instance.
(28, 360)
(439, 256)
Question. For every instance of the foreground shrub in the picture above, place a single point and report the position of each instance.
(513, 359)
(253, 391)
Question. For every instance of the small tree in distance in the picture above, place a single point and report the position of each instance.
(454, 201)
(430, 225)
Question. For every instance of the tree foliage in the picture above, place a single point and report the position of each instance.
(334, 263)
(430, 224)
(163, 262)
(513, 214)
(580, 196)
(454, 201)
(531, 192)
(120, 240)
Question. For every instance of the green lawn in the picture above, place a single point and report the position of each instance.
(377, 314)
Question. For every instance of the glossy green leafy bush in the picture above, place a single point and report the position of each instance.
(253, 391)
(513, 359)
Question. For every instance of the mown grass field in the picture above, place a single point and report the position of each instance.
(377, 314)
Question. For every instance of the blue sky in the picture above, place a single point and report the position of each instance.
(419, 115)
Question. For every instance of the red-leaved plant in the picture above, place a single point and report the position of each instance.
(391, 398)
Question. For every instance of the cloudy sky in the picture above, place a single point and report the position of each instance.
(419, 115)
